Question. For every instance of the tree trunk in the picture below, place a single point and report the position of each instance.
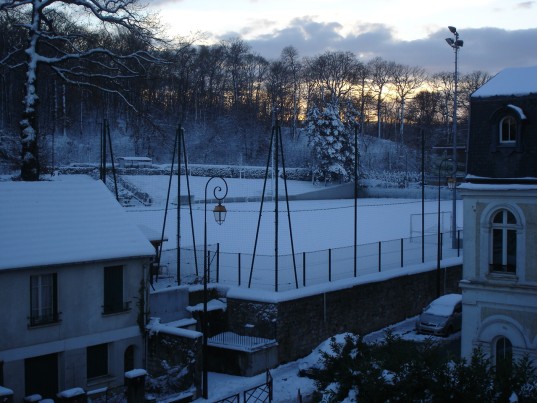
(30, 168)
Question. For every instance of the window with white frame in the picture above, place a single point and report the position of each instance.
(503, 242)
(43, 299)
(507, 130)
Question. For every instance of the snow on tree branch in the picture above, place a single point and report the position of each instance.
(115, 43)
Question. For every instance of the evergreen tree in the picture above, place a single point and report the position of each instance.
(331, 144)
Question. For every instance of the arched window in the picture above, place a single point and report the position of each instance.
(503, 242)
(507, 130)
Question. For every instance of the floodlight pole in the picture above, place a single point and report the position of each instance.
(455, 44)
(439, 236)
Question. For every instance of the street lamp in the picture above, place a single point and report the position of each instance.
(220, 215)
(455, 44)
(439, 244)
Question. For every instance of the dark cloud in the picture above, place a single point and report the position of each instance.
(525, 5)
(486, 49)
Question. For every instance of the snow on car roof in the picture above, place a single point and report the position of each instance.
(443, 306)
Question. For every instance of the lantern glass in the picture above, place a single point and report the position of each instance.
(220, 213)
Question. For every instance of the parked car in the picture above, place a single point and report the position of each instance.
(442, 317)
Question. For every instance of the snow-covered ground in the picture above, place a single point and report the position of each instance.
(286, 381)
(316, 225)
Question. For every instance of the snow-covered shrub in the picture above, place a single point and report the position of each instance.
(407, 371)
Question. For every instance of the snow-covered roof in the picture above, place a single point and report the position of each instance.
(61, 222)
(517, 81)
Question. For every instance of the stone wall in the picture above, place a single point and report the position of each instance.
(300, 325)
(174, 362)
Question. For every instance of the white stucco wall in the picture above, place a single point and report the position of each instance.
(82, 324)
(498, 305)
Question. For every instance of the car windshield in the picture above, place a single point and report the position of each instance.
(439, 310)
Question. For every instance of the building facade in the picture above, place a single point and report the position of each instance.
(71, 288)
(499, 211)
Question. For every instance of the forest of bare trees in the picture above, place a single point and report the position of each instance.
(62, 74)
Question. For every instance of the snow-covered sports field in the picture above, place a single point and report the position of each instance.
(316, 226)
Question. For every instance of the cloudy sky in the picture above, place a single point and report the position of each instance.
(496, 33)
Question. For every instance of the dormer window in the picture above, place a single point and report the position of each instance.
(506, 124)
(507, 130)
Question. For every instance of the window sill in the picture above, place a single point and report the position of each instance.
(34, 323)
(42, 325)
(504, 277)
(126, 307)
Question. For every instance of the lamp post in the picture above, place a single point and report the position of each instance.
(455, 44)
(439, 245)
(220, 215)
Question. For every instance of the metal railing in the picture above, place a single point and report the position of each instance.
(260, 393)
(239, 340)
(312, 268)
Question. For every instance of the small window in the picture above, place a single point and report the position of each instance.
(97, 361)
(43, 299)
(503, 242)
(507, 130)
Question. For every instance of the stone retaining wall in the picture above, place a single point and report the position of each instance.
(301, 324)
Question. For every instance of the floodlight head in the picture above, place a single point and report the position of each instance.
(450, 41)
(452, 29)
(459, 43)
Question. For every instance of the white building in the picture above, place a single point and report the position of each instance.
(72, 269)
(499, 212)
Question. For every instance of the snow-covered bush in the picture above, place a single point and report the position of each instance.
(407, 371)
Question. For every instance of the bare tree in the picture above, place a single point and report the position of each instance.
(289, 57)
(380, 74)
(469, 83)
(406, 81)
(334, 73)
(76, 53)
(443, 83)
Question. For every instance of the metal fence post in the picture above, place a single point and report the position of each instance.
(304, 269)
(379, 255)
(459, 243)
(330, 265)
(218, 261)
(239, 269)
(401, 252)
(441, 246)
(208, 266)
